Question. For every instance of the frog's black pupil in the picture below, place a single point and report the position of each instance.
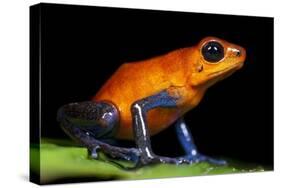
(213, 52)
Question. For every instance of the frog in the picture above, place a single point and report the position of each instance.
(143, 98)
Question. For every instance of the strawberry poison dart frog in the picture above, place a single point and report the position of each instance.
(143, 98)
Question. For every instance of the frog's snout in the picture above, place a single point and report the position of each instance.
(237, 52)
(240, 53)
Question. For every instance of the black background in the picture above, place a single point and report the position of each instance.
(82, 46)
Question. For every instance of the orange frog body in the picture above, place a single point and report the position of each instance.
(143, 98)
(178, 70)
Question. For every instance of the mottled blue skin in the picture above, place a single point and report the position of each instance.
(82, 121)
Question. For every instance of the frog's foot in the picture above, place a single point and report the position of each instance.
(129, 154)
(153, 159)
(189, 147)
(203, 158)
(94, 145)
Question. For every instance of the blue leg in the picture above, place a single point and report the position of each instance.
(189, 147)
(91, 122)
(139, 111)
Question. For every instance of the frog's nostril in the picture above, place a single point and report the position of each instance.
(238, 53)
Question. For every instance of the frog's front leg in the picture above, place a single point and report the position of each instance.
(139, 111)
(88, 122)
(189, 147)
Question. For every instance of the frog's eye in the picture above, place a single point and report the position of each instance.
(212, 52)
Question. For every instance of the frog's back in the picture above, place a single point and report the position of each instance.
(137, 80)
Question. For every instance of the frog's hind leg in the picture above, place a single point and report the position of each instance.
(189, 147)
(89, 122)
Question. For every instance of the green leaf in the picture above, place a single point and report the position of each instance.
(56, 160)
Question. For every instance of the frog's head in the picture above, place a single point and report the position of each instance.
(214, 59)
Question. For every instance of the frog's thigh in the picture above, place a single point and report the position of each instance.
(88, 121)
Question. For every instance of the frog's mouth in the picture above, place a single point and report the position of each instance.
(226, 72)
(209, 79)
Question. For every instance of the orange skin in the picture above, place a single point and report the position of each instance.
(183, 72)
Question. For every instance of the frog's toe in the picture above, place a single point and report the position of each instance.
(203, 158)
(161, 159)
(177, 161)
(130, 156)
(93, 152)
